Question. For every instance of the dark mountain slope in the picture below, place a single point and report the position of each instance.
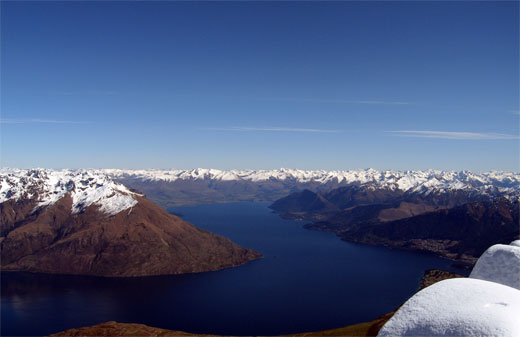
(463, 232)
(350, 196)
(305, 204)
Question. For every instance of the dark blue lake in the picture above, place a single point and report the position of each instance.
(307, 281)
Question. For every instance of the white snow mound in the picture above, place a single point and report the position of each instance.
(500, 264)
(458, 307)
(515, 243)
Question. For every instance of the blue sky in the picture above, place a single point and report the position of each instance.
(310, 85)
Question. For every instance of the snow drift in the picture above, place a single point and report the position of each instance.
(458, 307)
(500, 264)
(486, 304)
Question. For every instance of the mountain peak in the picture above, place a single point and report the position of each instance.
(86, 187)
(83, 222)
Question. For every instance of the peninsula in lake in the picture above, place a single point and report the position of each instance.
(83, 222)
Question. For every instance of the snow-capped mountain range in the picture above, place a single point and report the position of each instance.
(106, 188)
(86, 187)
(413, 181)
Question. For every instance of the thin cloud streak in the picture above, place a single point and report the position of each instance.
(86, 93)
(340, 101)
(381, 102)
(37, 120)
(452, 135)
(272, 129)
(307, 99)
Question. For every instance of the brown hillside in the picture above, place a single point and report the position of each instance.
(143, 240)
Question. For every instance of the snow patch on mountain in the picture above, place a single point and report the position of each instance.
(86, 187)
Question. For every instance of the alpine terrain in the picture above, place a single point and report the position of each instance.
(83, 222)
(197, 186)
(453, 214)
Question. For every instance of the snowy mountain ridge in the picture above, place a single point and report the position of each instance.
(100, 186)
(507, 183)
(86, 187)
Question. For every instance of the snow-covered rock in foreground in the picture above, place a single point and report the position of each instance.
(500, 264)
(458, 307)
(46, 187)
(515, 243)
(486, 304)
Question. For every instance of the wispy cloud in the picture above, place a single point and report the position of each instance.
(515, 112)
(452, 135)
(381, 102)
(303, 99)
(272, 129)
(86, 93)
(339, 101)
(38, 120)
